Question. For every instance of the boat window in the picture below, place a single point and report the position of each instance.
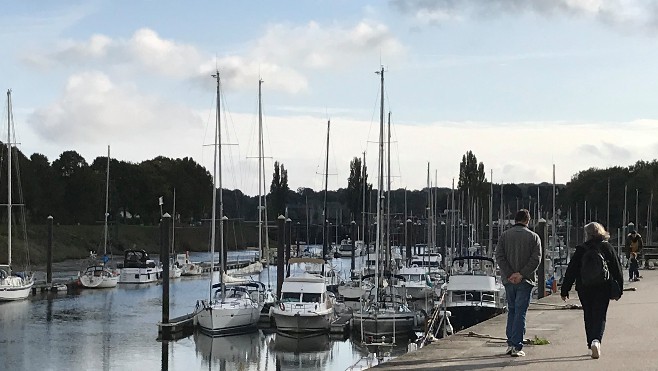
(310, 297)
(290, 297)
(488, 296)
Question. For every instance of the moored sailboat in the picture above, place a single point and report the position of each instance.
(100, 275)
(232, 309)
(13, 285)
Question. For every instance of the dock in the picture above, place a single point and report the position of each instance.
(55, 286)
(628, 342)
(177, 328)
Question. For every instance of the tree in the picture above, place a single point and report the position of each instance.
(278, 190)
(471, 176)
(355, 184)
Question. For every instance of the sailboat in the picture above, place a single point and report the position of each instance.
(13, 285)
(100, 275)
(385, 315)
(232, 309)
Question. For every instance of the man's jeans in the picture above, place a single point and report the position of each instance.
(518, 300)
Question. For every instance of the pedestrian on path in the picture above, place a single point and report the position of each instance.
(518, 254)
(633, 268)
(634, 244)
(596, 270)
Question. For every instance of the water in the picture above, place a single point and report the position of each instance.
(115, 329)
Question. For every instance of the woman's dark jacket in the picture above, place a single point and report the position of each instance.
(573, 270)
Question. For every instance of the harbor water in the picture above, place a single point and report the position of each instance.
(116, 329)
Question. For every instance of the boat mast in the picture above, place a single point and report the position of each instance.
(380, 183)
(325, 233)
(214, 193)
(9, 114)
(173, 225)
(429, 219)
(388, 196)
(363, 204)
(490, 252)
(107, 196)
(260, 172)
(554, 220)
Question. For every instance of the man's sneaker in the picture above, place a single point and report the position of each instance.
(518, 353)
(596, 349)
(509, 350)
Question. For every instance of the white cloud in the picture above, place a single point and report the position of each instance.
(626, 13)
(315, 46)
(280, 56)
(93, 109)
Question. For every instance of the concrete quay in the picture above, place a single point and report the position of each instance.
(630, 341)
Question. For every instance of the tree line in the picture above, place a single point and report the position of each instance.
(73, 192)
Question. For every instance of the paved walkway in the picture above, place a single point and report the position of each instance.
(630, 341)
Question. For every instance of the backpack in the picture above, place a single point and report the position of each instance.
(594, 269)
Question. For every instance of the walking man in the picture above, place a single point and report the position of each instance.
(518, 255)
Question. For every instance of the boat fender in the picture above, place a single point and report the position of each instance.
(281, 306)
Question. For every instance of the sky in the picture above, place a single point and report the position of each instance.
(524, 84)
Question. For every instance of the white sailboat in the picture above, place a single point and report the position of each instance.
(188, 267)
(385, 315)
(13, 285)
(233, 309)
(100, 275)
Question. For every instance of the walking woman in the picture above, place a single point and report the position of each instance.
(593, 267)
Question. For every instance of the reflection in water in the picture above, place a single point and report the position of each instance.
(305, 352)
(234, 352)
(115, 329)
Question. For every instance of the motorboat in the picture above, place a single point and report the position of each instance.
(137, 267)
(474, 293)
(416, 283)
(305, 305)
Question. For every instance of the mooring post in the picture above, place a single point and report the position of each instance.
(49, 253)
(541, 228)
(164, 259)
(281, 224)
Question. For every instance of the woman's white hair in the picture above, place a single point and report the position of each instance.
(595, 230)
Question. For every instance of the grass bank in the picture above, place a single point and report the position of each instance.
(76, 241)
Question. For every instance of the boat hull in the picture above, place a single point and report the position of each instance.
(219, 320)
(298, 323)
(465, 316)
(191, 270)
(383, 325)
(94, 282)
(140, 275)
(11, 289)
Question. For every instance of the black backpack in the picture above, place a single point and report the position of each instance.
(594, 269)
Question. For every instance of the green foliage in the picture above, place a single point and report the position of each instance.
(278, 190)
(355, 184)
(540, 341)
(471, 176)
